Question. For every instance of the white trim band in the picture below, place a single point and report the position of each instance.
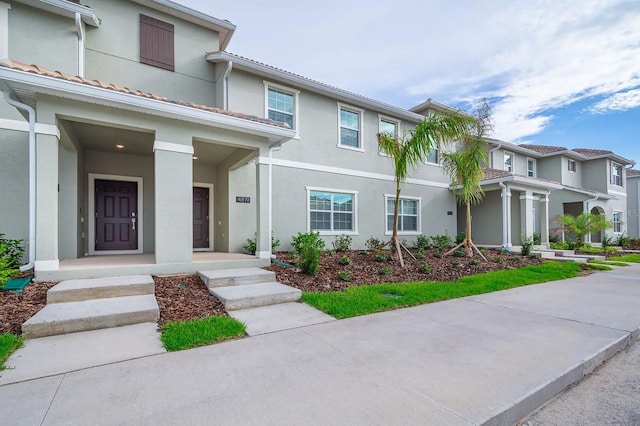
(47, 265)
(172, 147)
(23, 126)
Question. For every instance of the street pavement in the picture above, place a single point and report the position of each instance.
(487, 359)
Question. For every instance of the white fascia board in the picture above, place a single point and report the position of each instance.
(221, 26)
(65, 8)
(314, 86)
(82, 92)
(523, 181)
(601, 196)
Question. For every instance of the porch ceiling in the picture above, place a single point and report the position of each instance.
(102, 138)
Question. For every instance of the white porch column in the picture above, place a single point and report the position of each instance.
(506, 216)
(544, 221)
(173, 174)
(263, 239)
(526, 214)
(46, 203)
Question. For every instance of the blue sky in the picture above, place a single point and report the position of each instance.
(560, 73)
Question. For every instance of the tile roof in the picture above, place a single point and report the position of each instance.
(543, 149)
(587, 152)
(36, 69)
(495, 174)
(633, 172)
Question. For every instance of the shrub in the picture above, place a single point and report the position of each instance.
(423, 242)
(474, 262)
(515, 259)
(425, 268)
(344, 260)
(308, 247)
(559, 245)
(460, 236)
(459, 252)
(385, 271)
(364, 253)
(441, 242)
(373, 244)
(420, 254)
(342, 243)
(344, 276)
(455, 263)
(527, 244)
(497, 259)
(607, 241)
(12, 251)
(5, 271)
(438, 255)
(623, 240)
(380, 258)
(536, 239)
(330, 253)
(250, 247)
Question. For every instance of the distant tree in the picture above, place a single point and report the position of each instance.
(409, 151)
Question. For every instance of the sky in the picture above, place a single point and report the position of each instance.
(557, 72)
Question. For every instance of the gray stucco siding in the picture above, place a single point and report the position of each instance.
(14, 184)
(486, 220)
(633, 208)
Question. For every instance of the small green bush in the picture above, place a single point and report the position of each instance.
(364, 253)
(623, 240)
(441, 242)
(420, 254)
(459, 252)
(250, 247)
(474, 262)
(455, 263)
(438, 255)
(342, 243)
(460, 236)
(425, 268)
(423, 242)
(385, 271)
(11, 250)
(344, 260)
(330, 253)
(308, 247)
(380, 258)
(536, 239)
(516, 259)
(497, 259)
(344, 276)
(373, 244)
(527, 244)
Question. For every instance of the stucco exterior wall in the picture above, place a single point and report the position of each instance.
(486, 220)
(550, 168)
(572, 178)
(595, 176)
(14, 184)
(633, 208)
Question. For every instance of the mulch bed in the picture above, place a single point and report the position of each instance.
(16, 308)
(184, 297)
(363, 269)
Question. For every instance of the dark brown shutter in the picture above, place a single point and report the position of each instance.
(156, 43)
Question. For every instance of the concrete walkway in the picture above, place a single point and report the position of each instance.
(487, 359)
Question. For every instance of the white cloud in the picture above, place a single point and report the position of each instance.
(619, 102)
(533, 56)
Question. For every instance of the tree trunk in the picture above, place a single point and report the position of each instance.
(467, 241)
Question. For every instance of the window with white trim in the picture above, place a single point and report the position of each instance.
(280, 106)
(389, 127)
(349, 128)
(617, 222)
(508, 161)
(616, 174)
(433, 157)
(531, 167)
(331, 211)
(408, 214)
(571, 165)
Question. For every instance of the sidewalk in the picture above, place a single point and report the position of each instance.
(484, 359)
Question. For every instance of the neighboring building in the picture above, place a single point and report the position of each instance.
(633, 203)
(137, 150)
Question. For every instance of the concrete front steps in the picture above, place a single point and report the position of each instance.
(93, 304)
(248, 288)
(567, 255)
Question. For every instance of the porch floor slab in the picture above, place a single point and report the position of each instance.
(48, 356)
(284, 316)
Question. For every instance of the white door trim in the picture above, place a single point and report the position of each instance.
(91, 214)
(211, 227)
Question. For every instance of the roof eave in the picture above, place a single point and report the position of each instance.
(77, 91)
(523, 180)
(313, 86)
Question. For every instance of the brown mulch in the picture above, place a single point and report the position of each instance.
(16, 308)
(184, 297)
(363, 269)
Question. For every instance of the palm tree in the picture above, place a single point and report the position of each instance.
(464, 168)
(410, 150)
(583, 224)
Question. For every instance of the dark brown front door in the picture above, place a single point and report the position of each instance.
(200, 217)
(116, 215)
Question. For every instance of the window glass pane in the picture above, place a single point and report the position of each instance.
(388, 127)
(507, 162)
(343, 221)
(432, 156)
(320, 201)
(409, 223)
(320, 221)
(390, 205)
(282, 117)
(390, 221)
(349, 137)
(343, 202)
(280, 101)
(409, 207)
(349, 119)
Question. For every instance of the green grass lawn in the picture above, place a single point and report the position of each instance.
(630, 257)
(608, 262)
(8, 343)
(368, 299)
(598, 266)
(177, 336)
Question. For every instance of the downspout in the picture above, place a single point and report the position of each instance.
(274, 147)
(32, 178)
(225, 86)
(80, 31)
(505, 228)
(491, 155)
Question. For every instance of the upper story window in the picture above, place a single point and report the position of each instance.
(388, 126)
(531, 167)
(331, 211)
(508, 161)
(350, 127)
(408, 214)
(617, 222)
(616, 174)
(433, 157)
(156, 43)
(571, 164)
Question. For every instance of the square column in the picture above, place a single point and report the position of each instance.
(263, 239)
(173, 174)
(544, 221)
(46, 203)
(506, 217)
(526, 214)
